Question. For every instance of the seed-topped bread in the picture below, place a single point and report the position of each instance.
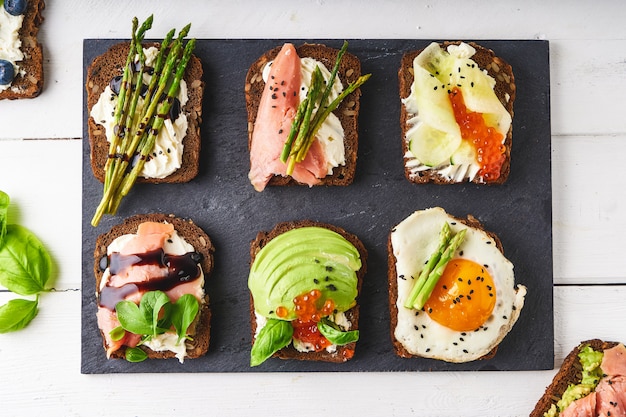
(481, 267)
(570, 373)
(505, 90)
(201, 243)
(111, 64)
(342, 353)
(347, 112)
(30, 84)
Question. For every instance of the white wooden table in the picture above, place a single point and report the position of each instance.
(40, 168)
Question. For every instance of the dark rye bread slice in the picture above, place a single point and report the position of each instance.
(201, 242)
(505, 87)
(392, 278)
(347, 112)
(31, 83)
(569, 373)
(343, 353)
(111, 64)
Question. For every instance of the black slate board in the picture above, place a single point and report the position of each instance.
(224, 204)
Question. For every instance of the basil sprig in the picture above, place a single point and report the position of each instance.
(154, 315)
(335, 335)
(275, 335)
(25, 269)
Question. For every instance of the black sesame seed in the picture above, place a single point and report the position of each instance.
(427, 349)
(505, 317)
(469, 282)
(280, 131)
(461, 253)
(331, 287)
(316, 261)
(421, 336)
(464, 350)
(460, 279)
(327, 279)
(274, 96)
(416, 327)
(435, 88)
(455, 343)
(315, 280)
(329, 268)
(469, 297)
(445, 287)
(402, 277)
(489, 242)
(472, 84)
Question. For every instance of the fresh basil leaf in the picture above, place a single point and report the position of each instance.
(150, 306)
(275, 335)
(4, 208)
(336, 336)
(136, 354)
(25, 265)
(16, 314)
(131, 318)
(117, 334)
(184, 313)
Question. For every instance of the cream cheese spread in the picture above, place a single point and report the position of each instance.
(167, 154)
(10, 42)
(331, 134)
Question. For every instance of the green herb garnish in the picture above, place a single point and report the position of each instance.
(25, 269)
(135, 134)
(155, 315)
(275, 335)
(425, 283)
(335, 335)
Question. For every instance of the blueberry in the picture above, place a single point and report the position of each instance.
(15, 7)
(115, 84)
(7, 72)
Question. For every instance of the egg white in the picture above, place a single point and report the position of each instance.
(413, 241)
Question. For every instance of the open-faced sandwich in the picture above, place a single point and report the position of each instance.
(303, 108)
(145, 105)
(150, 272)
(304, 281)
(456, 114)
(591, 382)
(21, 55)
(452, 293)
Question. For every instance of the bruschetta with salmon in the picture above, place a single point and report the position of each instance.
(290, 144)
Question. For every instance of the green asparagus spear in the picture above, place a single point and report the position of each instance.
(324, 114)
(436, 273)
(444, 238)
(162, 112)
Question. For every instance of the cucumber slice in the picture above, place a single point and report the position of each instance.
(431, 146)
(464, 154)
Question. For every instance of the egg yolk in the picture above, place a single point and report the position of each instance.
(464, 296)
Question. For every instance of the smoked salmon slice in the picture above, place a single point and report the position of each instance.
(277, 109)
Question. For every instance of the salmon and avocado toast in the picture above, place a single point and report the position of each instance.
(150, 273)
(303, 105)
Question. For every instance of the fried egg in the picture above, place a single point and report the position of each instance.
(475, 302)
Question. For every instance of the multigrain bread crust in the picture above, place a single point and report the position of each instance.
(111, 64)
(392, 278)
(569, 373)
(201, 242)
(31, 84)
(505, 90)
(343, 353)
(347, 112)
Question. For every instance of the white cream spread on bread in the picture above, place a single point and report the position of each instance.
(485, 276)
(167, 154)
(433, 138)
(331, 134)
(10, 42)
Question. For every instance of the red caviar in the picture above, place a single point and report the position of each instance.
(308, 315)
(486, 139)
